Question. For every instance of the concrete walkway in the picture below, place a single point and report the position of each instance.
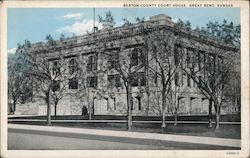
(236, 143)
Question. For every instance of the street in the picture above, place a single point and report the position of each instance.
(30, 137)
(25, 141)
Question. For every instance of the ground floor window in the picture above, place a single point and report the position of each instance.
(92, 81)
(73, 83)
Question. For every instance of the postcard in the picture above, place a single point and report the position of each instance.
(124, 79)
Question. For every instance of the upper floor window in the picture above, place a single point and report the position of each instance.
(177, 52)
(56, 67)
(92, 81)
(138, 79)
(201, 59)
(113, 60)
(220, 62)
(73, 65)
(188, 81)
(137, 57)
(92, 62)
(190, 52)
(155, 79)
(211, 62)
(114, 80)
(73, 83)
(176, 79)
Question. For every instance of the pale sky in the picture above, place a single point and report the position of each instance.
(35, 24)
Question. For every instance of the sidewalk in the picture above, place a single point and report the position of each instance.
(236, 143)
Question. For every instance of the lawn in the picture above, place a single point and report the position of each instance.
(194, 129)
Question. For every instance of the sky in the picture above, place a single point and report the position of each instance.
(34, 24)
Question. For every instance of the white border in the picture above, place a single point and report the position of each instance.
(244, 152)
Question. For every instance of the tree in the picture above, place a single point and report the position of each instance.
(164, 66)
(227, 32)
(62, 37)
(187, 24)
(127, 67)
(126, 22)
(126, 63)
(211, 74)
(180, 23)
(174, 97)
(108, 21)
(48, 73)
(19, 83)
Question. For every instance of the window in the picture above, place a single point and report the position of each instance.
(134, 79)
(189, 56)
(201, 59)
(113, 60)
(139, 102)
(72, 66)
(92, 81)
(55, 86)
(211, 62)
(188, 81)
(114, 80)
(138, 79)
(156, 79)
(73, 83)
(141, 77)
(220, 62)
(92, 63)
(56, 67)
(134, 58)
(177, 52)
(137, 57)
(176, 79)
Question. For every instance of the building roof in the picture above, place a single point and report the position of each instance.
(157, 21)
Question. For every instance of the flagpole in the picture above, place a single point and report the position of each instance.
(94, 19)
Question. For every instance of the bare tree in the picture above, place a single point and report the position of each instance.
(163, 63)
(211, 72)
(48, 73)
(19, 82)
(173, 99)
(127, 68)
(126, 62)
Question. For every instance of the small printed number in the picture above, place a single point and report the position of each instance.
(232, 153)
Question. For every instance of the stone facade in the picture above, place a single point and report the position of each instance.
(93, 84)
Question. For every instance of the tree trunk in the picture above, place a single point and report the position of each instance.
(217, 117)
(55, 109)
(93, 107)
(176, 112)
(147, 106)
(175, 117)
(236, 105)
(210, 123)
(48, 109)
(13, 109)
(163, 109)
(129, 111)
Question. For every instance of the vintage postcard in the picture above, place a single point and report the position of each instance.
(124, 79)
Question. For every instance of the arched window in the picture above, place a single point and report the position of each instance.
(73, 66)
(92, 62)
(137, 57)
(56, 67)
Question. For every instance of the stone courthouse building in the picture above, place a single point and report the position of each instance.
(91, 79)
